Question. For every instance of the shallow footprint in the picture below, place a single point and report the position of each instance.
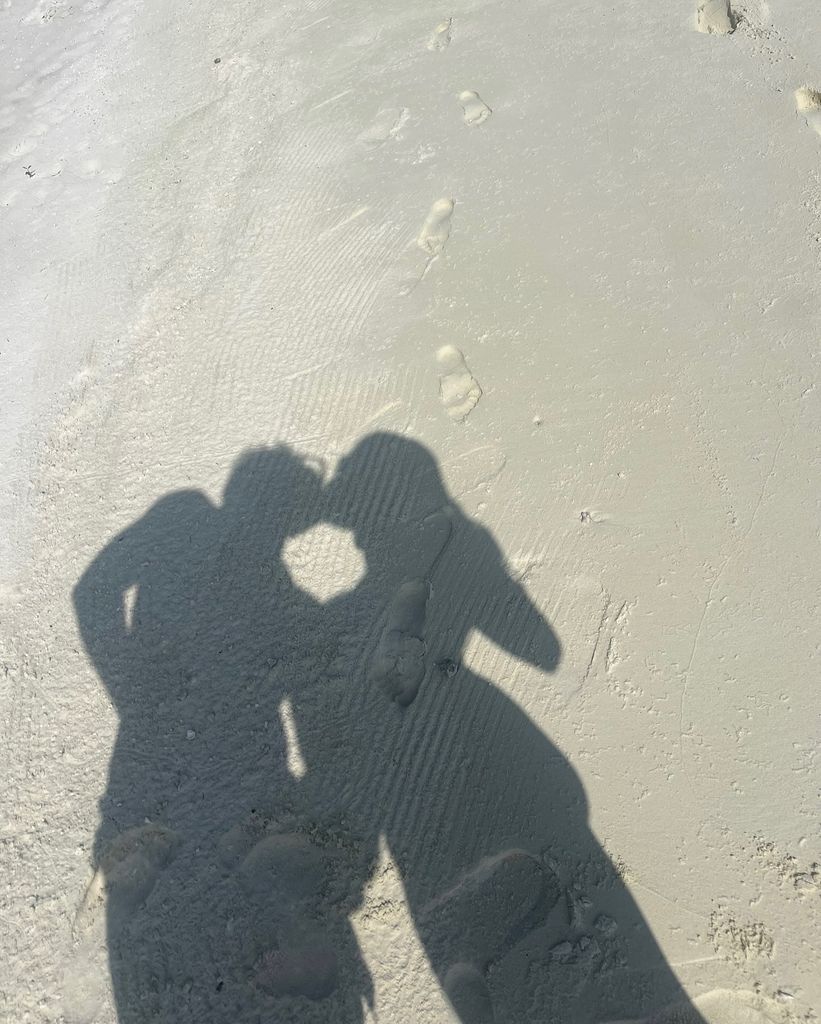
(386, 125)
(308, 968)
(808, 103)
(475, 921)
(398, 665)
(467, 990)
(83, 982)
(720, 1006)
(431, 239)
(476, 111)
(436, 229)
(126, 874)
(715, 17)
(458, 388)
(440, 37)
(283, 869)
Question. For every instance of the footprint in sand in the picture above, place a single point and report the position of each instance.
(720, 1006)
(467, 990)
(436, 229)
(715, 17)
(432, 239)
(386, 125)
(458, 388)
(474, 923)
(284, 876)
(398, 665)
(476, 111)
(808, 103)
(283, 869)
(306, 967)
(126, 874)
(440, 37)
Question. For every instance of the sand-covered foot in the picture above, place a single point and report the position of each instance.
(398, 665)
(475, 110)
(458, 388)
(715, 17)
(808, 103)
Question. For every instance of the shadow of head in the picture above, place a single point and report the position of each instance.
(273, 489)
(445, 572)
(385, 480)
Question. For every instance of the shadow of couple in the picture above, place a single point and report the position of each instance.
(271, 747)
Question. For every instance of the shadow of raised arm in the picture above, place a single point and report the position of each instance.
(507, 615)
(152, 555)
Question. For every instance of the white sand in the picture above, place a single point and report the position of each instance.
(573, 251)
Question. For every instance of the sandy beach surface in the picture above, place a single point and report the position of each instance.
(409, 571)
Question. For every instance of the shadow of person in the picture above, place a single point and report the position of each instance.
(197, 632)
(230, 869)
(485, 818)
